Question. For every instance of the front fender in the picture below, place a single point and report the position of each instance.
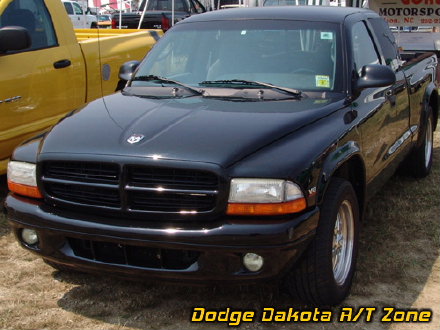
(334, 161)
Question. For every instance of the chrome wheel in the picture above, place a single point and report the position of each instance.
(428, 142)
(342, 247)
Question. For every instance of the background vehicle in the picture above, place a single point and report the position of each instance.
(158, 14)
(105, 21)
(48, 70)
(249, 165)
(80, 20)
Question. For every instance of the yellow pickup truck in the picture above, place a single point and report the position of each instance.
(48, 68)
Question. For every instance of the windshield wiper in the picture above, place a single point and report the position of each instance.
(152, 77)
(291, 91)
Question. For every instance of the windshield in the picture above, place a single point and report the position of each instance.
(293, 54)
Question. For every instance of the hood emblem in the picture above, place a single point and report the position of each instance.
(135, 138)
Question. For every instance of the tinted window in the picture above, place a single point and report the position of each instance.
(33, 16)
(386, 40)
(364, 51)
(293, 54)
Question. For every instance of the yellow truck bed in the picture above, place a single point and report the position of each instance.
(59, 71)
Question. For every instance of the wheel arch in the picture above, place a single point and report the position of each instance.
(435, 104)
(345, 163)
(431, 98)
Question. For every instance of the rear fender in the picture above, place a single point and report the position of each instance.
(431, 97)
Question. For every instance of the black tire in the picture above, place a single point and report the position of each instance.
(313, 279)
(421, 157)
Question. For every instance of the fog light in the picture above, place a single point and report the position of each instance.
(29, 236)
(253, 262)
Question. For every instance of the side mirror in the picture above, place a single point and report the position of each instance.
(375, 75)
(14, 38)
(127, 69)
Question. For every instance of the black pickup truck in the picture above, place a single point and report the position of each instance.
(244, 147)
(158, 14)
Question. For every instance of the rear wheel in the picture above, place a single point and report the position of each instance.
(421, 160)
(324, 274)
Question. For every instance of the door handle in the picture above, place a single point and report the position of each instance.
(62, 64)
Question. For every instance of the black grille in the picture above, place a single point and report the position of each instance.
(170, 202)
(85, 194)
(81, 171)
(131, 255)
(171, 178)
(132, 189)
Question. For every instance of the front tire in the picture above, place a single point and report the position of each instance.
(325, 272)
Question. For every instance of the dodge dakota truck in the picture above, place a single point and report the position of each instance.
(158, 14)
(47, 70)
(214, 165)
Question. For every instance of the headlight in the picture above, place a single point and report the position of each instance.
(264, 197)
(22, 179)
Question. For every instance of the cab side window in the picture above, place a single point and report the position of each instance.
(33, 16)
(364, 51)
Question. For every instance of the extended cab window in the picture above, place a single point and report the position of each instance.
(364, 51)
(33, 16)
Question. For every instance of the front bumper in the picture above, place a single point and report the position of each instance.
(199, 251)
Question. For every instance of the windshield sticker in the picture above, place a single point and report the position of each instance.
(322, 81)
(243, 32)
(326, 35)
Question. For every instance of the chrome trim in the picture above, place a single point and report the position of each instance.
(183, 191)
(80, 183)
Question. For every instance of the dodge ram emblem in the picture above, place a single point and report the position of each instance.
(135, 138)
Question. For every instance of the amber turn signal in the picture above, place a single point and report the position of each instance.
(24, 190)
(294, 206)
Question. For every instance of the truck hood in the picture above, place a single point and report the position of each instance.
(194, 129)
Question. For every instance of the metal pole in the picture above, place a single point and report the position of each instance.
(172, 13)
(120, 14)
(143, 14)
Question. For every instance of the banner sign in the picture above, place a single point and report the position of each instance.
(408, 12)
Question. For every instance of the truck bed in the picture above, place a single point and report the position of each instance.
(85, 34)
(112, 46)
